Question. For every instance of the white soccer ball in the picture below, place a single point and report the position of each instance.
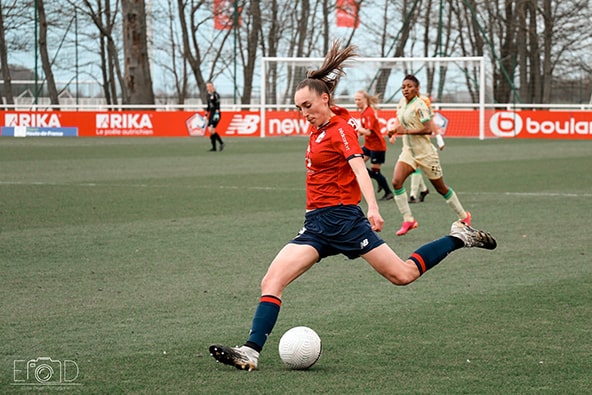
(300, 348)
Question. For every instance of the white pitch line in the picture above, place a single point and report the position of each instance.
(268, 188)
(94, 184)
(530, 194)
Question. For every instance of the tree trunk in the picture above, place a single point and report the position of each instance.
(273, 38)
(523, 58)
(104, 21)
(193, 60)
(44, 55)
(547, 76)
(535, 84)
(7, 86)
(252, 45)
(410, 16)
(138, 79)
(181, 78)
(504, 78)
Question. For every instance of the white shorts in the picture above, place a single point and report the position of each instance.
(428, 163)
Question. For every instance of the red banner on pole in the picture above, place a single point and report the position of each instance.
(225, 12)
(348, 13)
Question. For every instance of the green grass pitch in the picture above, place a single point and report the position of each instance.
(131, 256)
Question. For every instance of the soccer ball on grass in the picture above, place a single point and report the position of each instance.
(300, 348)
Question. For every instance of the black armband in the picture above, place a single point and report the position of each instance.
(355, 156)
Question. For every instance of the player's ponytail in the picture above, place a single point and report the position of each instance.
(325, 79)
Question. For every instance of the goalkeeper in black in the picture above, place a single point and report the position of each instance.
(213, 115)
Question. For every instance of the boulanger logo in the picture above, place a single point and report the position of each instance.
(505, 124)
(45, 371)
(511, 124)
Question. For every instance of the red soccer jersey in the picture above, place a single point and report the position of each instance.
(330, 181)
(374, 141)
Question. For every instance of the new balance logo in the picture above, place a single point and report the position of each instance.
(364, 243)
(243, 124)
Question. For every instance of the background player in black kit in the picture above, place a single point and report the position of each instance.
(213, 115)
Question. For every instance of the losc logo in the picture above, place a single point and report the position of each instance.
(505, 124)
(39, 120)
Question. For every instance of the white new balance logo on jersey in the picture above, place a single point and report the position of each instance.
(243, 124)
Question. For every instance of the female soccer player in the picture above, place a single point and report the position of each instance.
(374, 145)
(213, 110)
(415, 126)
(334, 223)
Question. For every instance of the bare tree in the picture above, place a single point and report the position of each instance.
(409, 14)
(170, 46)
(196, 47)
(7, 85)
(191, 50)
(46, 62)
(138, 78)
(250, 59)
(105, 19)
(269, 44)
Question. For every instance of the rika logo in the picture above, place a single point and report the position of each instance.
(243, 124)
(123, 121)
(505, 124)
(39, 120)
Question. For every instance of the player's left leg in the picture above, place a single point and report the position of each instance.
(402, 272)
(433, 170)
(401, 172)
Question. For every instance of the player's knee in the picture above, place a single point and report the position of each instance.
(397, 184)
(271, 286)
(265, 282)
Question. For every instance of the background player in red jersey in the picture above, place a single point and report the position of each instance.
(334, 223)
(374, 144)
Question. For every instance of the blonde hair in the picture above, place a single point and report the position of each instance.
(372, 100)
(325, 79)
